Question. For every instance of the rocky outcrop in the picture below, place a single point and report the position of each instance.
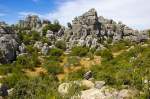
(31, 21)
(91, 31)
(8, 44)
(83, 30)
(96, 90)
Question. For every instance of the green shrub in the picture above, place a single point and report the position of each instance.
(55, 52)
(36, 88)
(5, 69)
(90, 55)
(76, 75)
(98, 53)
(26, 61)
(106, 55)
(73, 60)
(27, 38)
(35, 35)
(61, 45)
(53, 68)
(46, 40)
(79, 51)
(122, 45)
(53, 27)
(92, 50)
(14, 78)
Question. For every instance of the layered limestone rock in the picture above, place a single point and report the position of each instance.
(8, 44)
(91, 31)
(83, 30)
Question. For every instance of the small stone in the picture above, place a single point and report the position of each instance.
(99, 84)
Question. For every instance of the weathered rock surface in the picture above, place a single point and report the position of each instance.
(87, 30)
(91, 31)
(31, 21)
(8, 44)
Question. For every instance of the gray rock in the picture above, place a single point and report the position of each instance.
(8, 44)
(22, 48)
(45, 49)
(63, 89)
(99, 84)
(88, 75)
(38, 45)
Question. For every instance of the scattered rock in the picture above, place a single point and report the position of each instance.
(64, 88)
(88, 84)
(99, 84)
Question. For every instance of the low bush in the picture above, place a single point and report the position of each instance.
(79, 51)
(36, 88)
(28, 62)
(106, 55)
(73, 61)
(14, 78)
(121, 45)
(56, 52)
(53, 68)
(61, 45)
(5, 69)
(53, 27)
(76, 75)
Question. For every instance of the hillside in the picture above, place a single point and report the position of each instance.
(92, 58)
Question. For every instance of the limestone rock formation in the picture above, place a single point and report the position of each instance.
(91, 31)
(31, 21)
(8, 44)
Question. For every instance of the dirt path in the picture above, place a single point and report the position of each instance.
(36, 72)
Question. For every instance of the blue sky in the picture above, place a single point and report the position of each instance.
(134, 13)
(10, 9)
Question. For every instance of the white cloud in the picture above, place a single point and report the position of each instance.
(134, 13)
